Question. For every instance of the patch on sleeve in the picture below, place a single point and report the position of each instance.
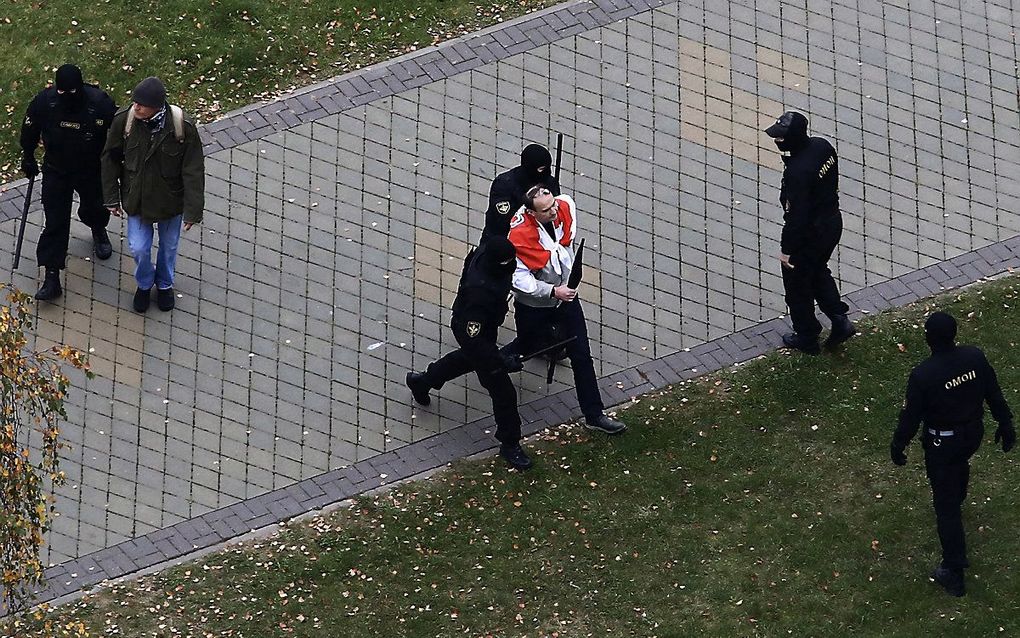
(502, 207)
(474, 328)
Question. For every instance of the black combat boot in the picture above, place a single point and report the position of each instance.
(165, 299)
(602, 423)
(807, 345)
(101, 243)
(419, 389)
(951, 580)
(142, 299)
(50, 288)
(842, 329)
(514, 455)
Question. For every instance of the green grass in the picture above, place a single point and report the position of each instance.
(215, 55)
(755, 501)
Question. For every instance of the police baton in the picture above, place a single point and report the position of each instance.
(559, 155)
(555, 346)
(24, 220)
(577, 268)
(539, 352)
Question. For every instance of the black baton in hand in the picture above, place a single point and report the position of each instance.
(577, 269)
(24, 220)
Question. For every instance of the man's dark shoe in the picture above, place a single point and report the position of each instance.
(141, 300)
(165, 299)
(515, 456)
(101, 243)
(50, 288)
(419, 390)
(951, 580)
(602, 423)
(842, 329)
(807, 345)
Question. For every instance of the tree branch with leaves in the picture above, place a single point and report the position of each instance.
(31, 409)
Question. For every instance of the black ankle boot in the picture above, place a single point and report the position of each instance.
(515, 456)
(419, 389)
(50, 288)
(842, 329)
(807, 345)
(101, 243)
(950, 580)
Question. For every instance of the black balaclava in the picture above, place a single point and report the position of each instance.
(498, 257)
(534, 157)
(940, 331)
(69, 80)
(792, 127)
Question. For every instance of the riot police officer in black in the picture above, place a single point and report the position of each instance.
(478, 311)
(72, 119)
(811, 231)
(506, 194)
(947, 393)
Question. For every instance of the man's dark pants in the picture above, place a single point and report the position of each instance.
(488, 366)
(57, 191)
(811, 280)
(948, 467)
(534, 323)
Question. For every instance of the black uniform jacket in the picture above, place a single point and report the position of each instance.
(479, 310)
(73, 138)
(947, 391)
(809, 195)
(506, 195)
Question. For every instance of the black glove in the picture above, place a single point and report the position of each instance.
(511, 362)
(1008, 436)
(897, 455)
(29, 166)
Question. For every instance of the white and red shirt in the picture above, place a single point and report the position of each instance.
(544, 260)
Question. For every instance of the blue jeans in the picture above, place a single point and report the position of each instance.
(139, 235)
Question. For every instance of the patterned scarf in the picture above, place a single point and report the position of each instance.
(157, 121)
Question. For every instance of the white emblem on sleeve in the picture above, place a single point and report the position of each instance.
(502, 207)
(473, 329)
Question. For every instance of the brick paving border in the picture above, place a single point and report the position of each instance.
(177, 542)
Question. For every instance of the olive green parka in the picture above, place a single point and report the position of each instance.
(155, 176)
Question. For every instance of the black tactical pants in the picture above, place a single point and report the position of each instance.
(811, 280)
(947, 464)
(57, 191)
(484, 360)
(533, 324)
